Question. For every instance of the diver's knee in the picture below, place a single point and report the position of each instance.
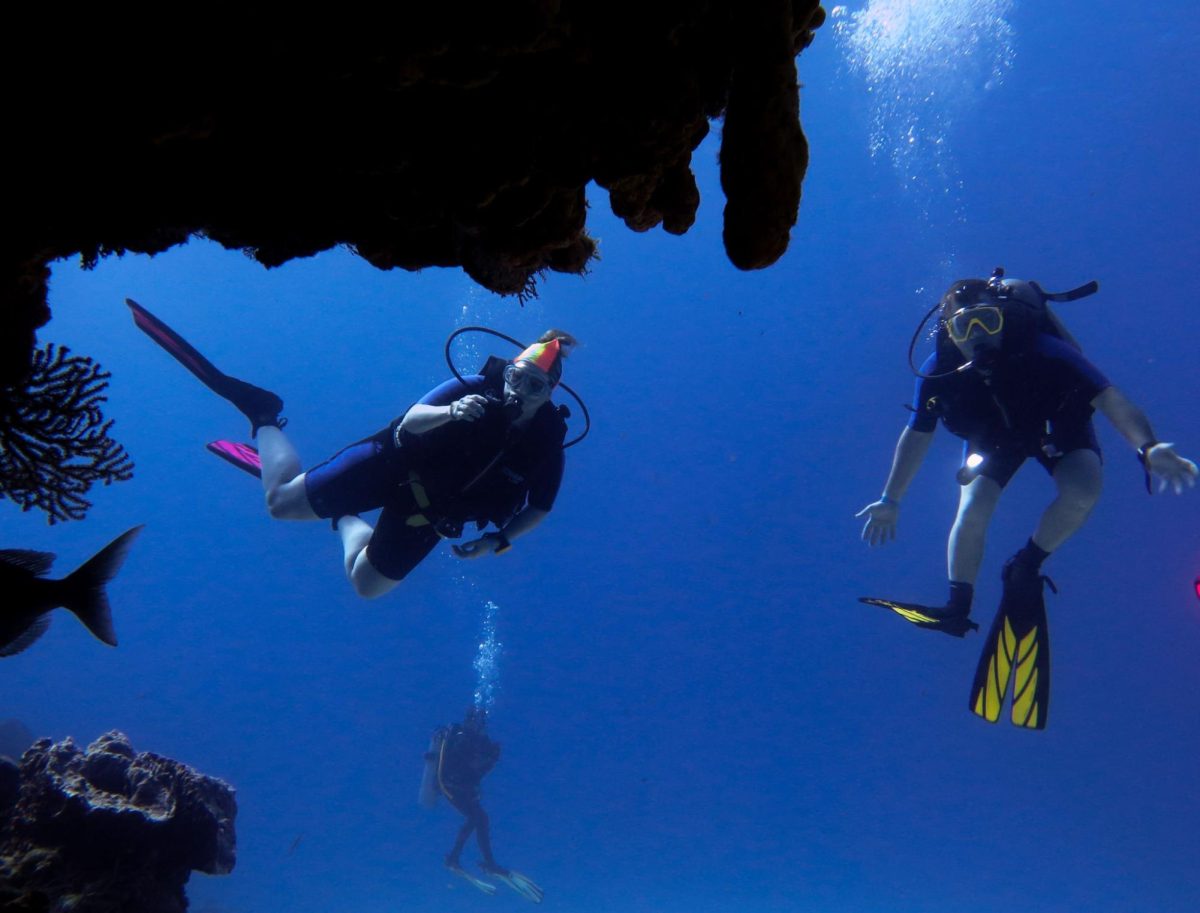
(1089, 493)
(368, 583)
(975, 512)
(365, 590)
(1081, 498)
(972, 522)
(289, 500)
(277, 505)
(1081, 481)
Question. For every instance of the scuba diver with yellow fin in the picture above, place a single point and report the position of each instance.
(1008, 379)
(460, 755)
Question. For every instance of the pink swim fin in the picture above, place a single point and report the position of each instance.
(243, 456)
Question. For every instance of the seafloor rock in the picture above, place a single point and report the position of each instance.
(108, 830)
(418, 134)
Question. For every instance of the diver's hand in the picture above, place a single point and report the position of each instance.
(467, 409)
(1171, 468)
(477, 548)
(880, 527)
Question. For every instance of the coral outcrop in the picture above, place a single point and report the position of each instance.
(108, 830)
(418, 134)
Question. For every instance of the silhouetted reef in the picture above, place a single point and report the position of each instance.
(430, 134)
(108, 830)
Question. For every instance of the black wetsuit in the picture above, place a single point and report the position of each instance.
(1035, 402)
(465, 757)
(483, 471)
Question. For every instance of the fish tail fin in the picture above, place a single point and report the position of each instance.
(84, 588)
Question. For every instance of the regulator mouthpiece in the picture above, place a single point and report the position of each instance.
(512, 407)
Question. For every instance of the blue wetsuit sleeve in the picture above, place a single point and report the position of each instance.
(543, 488)
(446, 393)
(1080, 375)
(921, 418)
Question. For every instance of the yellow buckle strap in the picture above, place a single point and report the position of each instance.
(421, 496)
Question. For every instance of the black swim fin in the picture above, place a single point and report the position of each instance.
(932, 618)
(1017, 649)
(261, 407)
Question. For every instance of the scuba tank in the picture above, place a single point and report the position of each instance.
(1023, 303)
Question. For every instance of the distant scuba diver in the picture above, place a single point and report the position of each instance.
(1008, 378)
(460, 755)
(485, 448)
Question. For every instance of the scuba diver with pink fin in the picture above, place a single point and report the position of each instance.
(484, 449)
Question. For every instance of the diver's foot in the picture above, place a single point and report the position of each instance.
(452, 865)
(952, 620)
(1024, 578)
(261, 407)
(522, 884)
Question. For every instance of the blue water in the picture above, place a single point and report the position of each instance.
(696, 714)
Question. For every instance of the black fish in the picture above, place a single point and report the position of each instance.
(28, 598)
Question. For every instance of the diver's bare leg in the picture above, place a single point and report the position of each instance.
(964, 549)
(356, 534)
(283, 482)
(1079, 478)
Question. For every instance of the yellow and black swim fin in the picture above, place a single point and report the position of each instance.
(1017, 649)
(929, 617)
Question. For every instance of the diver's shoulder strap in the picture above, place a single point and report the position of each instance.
(493, 369)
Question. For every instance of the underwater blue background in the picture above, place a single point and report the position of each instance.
(696, 714)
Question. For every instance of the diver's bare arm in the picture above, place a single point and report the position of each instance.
(910, 454)
(421, 418)
(1127, 418)
(1158, 458)
(524, 522)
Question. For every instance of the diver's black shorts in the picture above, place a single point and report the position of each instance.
(1002, 460)
(367, 476)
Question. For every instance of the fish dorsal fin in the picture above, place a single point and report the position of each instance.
(27, 637)
(37, 563)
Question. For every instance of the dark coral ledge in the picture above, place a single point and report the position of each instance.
(419, 134)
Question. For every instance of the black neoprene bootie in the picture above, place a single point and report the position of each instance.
(261, 407)
(1024, 569)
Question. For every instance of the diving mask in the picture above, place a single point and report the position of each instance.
(976, 321)
(525, 381)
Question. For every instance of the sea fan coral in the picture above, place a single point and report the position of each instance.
(54, 440)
